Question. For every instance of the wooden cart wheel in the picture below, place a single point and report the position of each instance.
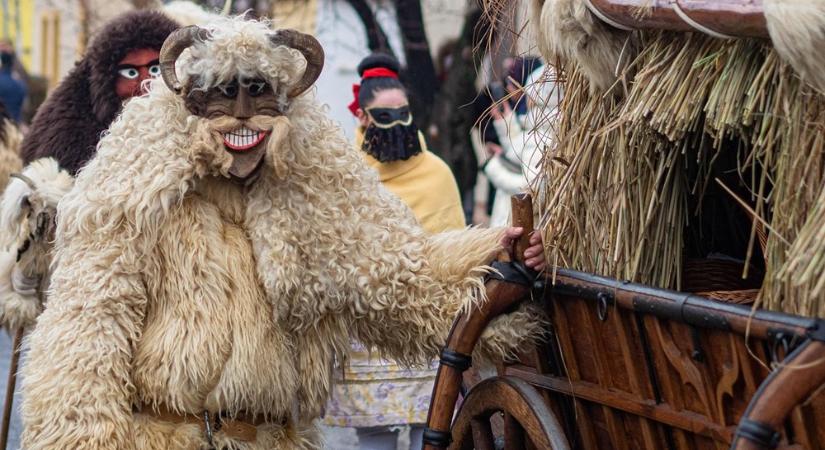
(528, 422)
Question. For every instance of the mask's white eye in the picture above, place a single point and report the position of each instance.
(154, 71)
(129, 72)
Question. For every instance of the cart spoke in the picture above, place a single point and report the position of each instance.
(513, 433)
(483, 438)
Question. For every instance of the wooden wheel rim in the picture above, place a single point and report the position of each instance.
(516, 398)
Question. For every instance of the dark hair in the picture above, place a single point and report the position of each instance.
(6, 59)
(372, 86)
(522, 68)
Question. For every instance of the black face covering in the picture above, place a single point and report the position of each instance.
(391, 135)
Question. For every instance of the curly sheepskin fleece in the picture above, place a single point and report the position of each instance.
(69, 124)
(567, 30)
(25, 255)
(797, 30)
(171, 285)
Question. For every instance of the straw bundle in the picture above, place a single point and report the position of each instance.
(618, 185)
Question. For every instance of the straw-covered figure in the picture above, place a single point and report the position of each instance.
(225, 244)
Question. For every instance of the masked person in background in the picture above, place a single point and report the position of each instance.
(395, 148)
(387, 404)
(120, 57)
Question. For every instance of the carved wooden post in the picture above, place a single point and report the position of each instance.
(456, 355)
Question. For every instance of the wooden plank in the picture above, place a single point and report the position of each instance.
(637, 370)
(662, 413)
(562, 320)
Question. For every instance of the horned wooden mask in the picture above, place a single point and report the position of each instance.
(245, 100)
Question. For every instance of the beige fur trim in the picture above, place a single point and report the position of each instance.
(21, 281)
(797, 29)
(239, 47)
(568, 31)
(51, 185)
(508, 334)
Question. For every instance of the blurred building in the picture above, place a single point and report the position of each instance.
(50, 35)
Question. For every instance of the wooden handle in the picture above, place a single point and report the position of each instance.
(10, 385)
(522, 210)
(467, 329)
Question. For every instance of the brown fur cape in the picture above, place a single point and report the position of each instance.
(69, 124)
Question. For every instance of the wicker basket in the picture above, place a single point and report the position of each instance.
(711, 274)
(743, 297)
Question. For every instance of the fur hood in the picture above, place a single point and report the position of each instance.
(69, 124)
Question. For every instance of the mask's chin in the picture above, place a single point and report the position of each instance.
(248, 148)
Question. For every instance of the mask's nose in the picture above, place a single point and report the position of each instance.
(244, 106)
(143, 84)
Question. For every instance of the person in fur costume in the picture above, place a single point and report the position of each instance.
(119, 58)
(223, 246)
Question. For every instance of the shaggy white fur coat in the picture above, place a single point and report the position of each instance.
(567, 31)
(174, 286)
(26, 214)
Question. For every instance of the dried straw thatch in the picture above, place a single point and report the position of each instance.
(625, 185)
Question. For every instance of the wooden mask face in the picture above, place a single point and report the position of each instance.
(243, 111)
(241, 100)
(135, 68)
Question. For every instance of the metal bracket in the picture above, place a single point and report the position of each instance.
(455, 359)
(512, 272)
(441, 439)
(208, 430)
(758, 432)
(604, 302)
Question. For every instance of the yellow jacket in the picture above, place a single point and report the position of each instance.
(425, 183)
(373, 392)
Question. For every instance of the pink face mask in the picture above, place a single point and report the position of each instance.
(138, 66)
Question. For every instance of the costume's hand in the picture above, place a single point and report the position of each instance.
(493, 149)
(534, 255)
(495, 112)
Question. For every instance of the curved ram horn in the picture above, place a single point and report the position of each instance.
(312, 51)
(227, 8)
(173, 46)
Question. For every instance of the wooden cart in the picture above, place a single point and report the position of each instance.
(626, 366)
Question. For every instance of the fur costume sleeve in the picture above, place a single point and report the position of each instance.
(331, 241)
(77, 383)
(27, 214)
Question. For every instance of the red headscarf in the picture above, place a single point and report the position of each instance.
(378, 72)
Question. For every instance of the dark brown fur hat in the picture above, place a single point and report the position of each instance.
(69, 123)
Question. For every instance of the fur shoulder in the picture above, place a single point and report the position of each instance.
(797, 29)
(43, 186)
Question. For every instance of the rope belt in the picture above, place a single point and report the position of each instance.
(241, 426)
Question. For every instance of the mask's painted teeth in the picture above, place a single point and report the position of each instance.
(243, 138)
